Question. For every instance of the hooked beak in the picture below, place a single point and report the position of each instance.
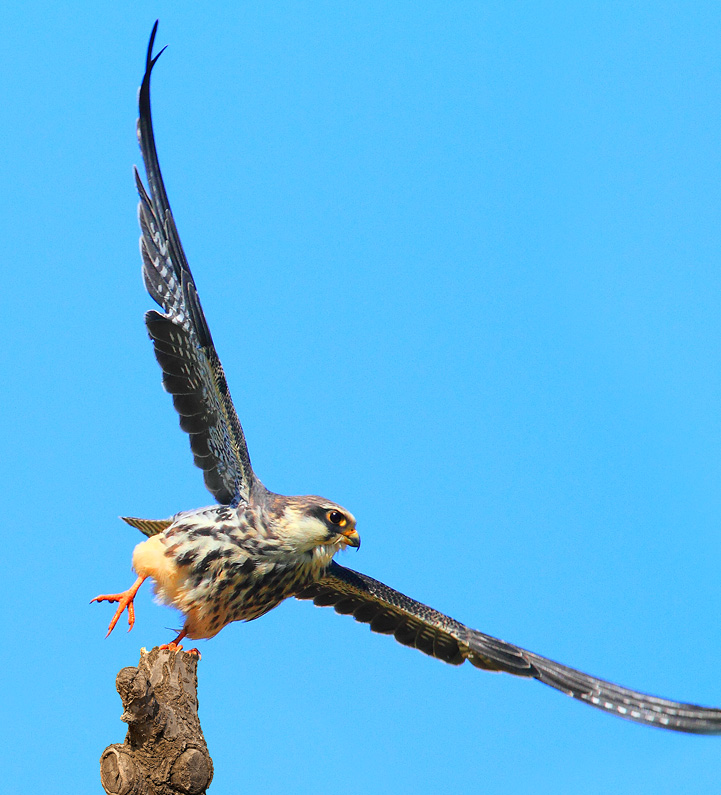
(351, 538)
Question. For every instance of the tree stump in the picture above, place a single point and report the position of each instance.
(164, 752)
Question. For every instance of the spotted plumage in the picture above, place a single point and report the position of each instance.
(237, 560)
(235, 564)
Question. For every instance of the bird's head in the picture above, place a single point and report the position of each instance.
(314, 522)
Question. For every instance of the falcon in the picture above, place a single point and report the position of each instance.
(237, 560)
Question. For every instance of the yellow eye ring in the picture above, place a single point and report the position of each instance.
(336, 518)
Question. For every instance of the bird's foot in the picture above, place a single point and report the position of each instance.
(125, 600)
(174, 645)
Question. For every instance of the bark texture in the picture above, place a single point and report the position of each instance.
(164, 752)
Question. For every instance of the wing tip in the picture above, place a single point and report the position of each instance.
(150, 61)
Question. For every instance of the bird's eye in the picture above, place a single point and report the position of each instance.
(336, 517)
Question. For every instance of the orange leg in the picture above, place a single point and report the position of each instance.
(174, 645)
(126, 601)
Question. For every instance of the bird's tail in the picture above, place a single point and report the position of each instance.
(150, 527)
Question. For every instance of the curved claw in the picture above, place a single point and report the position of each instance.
(174, 645)
(125, 601)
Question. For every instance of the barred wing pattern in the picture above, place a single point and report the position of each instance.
(414, 624)
(184, 348)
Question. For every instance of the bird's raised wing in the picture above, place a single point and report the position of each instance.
(192, 372)
(414, 624)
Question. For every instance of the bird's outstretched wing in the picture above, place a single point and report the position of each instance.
(414, 624)
(192, 372)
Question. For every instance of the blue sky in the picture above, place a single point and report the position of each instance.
(461, 263)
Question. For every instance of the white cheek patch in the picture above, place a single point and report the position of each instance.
(302, 532)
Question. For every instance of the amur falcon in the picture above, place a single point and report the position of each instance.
(237, 560)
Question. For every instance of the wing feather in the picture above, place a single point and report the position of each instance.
(417, 625)
(192, 372)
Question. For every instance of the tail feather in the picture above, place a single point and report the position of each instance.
(150, 527)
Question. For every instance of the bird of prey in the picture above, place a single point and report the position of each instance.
(240, 558)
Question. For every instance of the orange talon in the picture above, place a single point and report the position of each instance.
(125, 600)
(174, 645)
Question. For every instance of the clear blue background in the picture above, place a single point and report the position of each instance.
(461, 262)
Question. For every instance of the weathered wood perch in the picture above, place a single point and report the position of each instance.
(164, 752)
